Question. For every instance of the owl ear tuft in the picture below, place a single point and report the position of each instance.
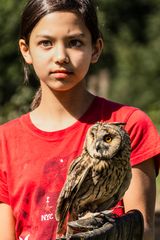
(121, 124)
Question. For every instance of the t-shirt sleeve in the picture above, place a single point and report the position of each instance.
(3, 188)
(4, 196)
(145, 140)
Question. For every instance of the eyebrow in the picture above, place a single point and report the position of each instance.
(73, 35)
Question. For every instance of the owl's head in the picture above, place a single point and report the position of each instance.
(105, 140)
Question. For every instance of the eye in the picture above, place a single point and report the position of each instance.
(45, 43)
(75, 43)
(107, 138)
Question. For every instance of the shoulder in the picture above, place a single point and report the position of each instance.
(139, 121)
(131, 115)
(114, 111)
(11, 127)
(145, 139)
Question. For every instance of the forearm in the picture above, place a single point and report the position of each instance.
(149, 230)
(149, 223)
(149, 234)
(7, 224)
(141, 195)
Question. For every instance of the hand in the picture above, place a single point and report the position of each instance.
(109, 227)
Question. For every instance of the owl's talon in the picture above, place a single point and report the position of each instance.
(96, 220)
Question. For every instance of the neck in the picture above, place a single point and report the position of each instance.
(59, 110)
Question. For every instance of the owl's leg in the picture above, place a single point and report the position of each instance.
(91, 221)
(73, 217)
(95, 214)
(88, 222)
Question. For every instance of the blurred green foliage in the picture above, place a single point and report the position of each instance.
(132, 43)
(131, 55)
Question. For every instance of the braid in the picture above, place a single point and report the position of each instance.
(37, 99)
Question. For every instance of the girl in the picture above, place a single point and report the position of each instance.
(60, 39)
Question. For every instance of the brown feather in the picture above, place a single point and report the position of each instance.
(97, 179)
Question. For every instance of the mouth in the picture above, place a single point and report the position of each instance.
(60, 74)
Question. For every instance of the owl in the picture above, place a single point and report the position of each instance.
(99, 177)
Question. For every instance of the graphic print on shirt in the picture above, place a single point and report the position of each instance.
(36, 218)
(54, 173)
(49, 211)
(46, 195)
(25, 238)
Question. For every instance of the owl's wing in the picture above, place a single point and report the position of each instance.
(76, 176)
(115, 198)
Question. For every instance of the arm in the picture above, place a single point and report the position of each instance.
(7, 231)
(141, 195)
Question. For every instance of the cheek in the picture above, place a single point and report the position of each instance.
(82, 62)
(40, 63)
(39, 71)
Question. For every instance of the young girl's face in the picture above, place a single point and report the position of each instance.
(60, 50)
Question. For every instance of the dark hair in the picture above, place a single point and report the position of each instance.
(36, 9)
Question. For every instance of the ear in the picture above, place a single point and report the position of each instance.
(97, 49)
(24, 48)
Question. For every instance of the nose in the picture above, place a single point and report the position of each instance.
(60, 54)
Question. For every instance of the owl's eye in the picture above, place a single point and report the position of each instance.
(107, 138)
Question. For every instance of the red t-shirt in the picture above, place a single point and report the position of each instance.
(34, 163)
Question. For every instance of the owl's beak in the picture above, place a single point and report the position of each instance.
(98, 147)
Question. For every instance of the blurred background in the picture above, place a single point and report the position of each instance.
(128, 71)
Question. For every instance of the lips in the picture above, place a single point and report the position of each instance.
(61, 73)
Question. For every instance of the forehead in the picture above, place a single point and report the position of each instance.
(61, 23)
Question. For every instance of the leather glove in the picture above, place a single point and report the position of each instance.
(129, 226)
